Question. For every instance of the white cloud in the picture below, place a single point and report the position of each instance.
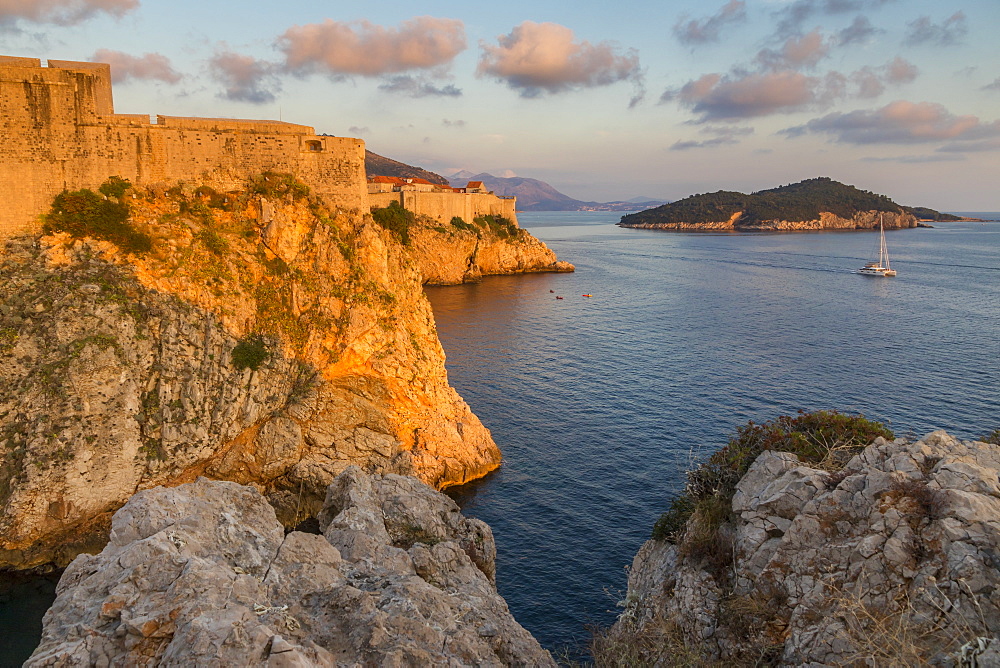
(151, 66)
(363, 48)
(536, 58)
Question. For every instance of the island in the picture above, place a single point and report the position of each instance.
(814, 204)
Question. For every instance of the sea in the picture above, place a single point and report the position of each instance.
(661, 345)
(601, 403)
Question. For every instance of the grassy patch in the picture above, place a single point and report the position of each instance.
(827, 439)
(498, 225)
(8, 338)
(84, 213)
(278, 184)
(396, 219)
(213, 241)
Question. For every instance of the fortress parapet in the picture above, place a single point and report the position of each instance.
(437, 201)
(58, 130)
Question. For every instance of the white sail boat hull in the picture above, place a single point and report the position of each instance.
(881, 266)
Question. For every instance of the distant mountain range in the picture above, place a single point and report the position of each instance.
(532, 194)
(535, 195)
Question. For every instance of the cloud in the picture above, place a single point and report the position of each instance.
(694, 31)
(924, 33)
(356, 131)
(245, 78)
(741, 94)
(537, 58)
(125, 67)
(797, 52)
(794, 15)
(992, 86)
(734, 97)
(726, 130)
(971, 147)
(362, 48)
(915, 159)
(452, 124)
(899, 122)
(860, 31)
(411, 86)
(723, 135)
(708, 143)
(871, 81)
(61, 12)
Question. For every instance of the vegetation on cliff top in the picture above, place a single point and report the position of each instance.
(825, 438)
(84, 213)
(795, 202)
(395, 219)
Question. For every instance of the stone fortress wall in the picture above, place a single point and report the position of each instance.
(58, 131)
(444, 206)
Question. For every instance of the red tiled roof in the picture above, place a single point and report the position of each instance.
(474, 184)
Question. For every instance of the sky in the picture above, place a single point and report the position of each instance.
(604, 100)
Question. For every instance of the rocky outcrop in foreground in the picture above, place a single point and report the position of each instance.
(891, 561)
(203, 574)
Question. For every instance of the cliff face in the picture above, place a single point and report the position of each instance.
(891, 561)
(447, 255)
(121, 372)
(863, 220)
(202, 574)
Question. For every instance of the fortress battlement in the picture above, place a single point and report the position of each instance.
(59, 131)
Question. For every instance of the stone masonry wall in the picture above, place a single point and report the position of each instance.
(443, 206)
(58, 130)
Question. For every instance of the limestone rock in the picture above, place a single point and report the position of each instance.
(890, 561)
(202, 574)
(448, 255)
(117, 371)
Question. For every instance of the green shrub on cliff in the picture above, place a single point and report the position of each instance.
(500, 226)
(115, 186)
(395, 219)
(84, 213)
(250, 352)
(827, 439)
(459, 223)
(278, 184)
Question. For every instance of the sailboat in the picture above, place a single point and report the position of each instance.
(881, 266)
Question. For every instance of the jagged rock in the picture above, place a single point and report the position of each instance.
(894, 559)
(202, 574)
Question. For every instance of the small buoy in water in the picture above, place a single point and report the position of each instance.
(551, 290)
(558, 297)
(588, 295)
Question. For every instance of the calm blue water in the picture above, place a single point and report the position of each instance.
(600, 404)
